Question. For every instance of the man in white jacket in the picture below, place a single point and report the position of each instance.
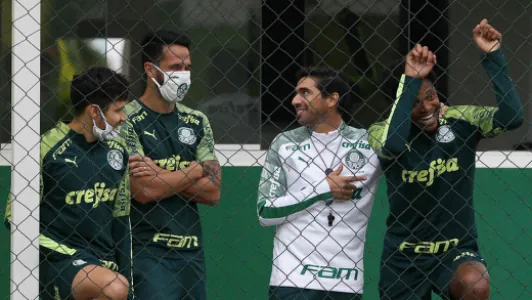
(317, 187)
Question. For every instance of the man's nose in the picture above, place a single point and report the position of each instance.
(296, 100)
(425, 106)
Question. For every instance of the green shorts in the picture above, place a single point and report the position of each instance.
(291, 293)
(171, 279)
(57, 272)
(417, 277)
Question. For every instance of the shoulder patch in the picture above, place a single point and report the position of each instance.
(132, 107)
(290, 138)
(353, 133)
(115, 159)
(134, 112)
(55, 141)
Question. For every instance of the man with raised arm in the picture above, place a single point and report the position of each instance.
(429, 163)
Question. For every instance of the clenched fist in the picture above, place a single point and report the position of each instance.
(487, 38)
(419, 62)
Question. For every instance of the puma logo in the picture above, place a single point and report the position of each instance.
(301, 159)
(72, 161)
(152, 134)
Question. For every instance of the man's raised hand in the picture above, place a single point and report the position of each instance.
(419, 62)
(341, 186)
(487, 38)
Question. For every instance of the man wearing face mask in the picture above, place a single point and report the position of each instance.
(85, 232)
(173, 168)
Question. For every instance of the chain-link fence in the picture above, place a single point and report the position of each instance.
(244, 56)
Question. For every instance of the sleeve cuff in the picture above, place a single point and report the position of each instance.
(496, 57)
(494, 54)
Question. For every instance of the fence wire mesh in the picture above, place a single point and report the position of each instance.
(149, 215)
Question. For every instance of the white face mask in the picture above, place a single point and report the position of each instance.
(175, 85)
(107, 134)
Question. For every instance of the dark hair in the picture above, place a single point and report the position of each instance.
(392, 75)
(153, 43)
(329, 81)
(100, 86)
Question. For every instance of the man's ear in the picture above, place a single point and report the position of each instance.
(334, 99)
(150, 70)
(92, 111)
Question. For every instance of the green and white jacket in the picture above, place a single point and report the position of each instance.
(294, 196)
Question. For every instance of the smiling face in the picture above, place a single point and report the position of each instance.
(115, 114)
(311, 108)
(426, 108)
